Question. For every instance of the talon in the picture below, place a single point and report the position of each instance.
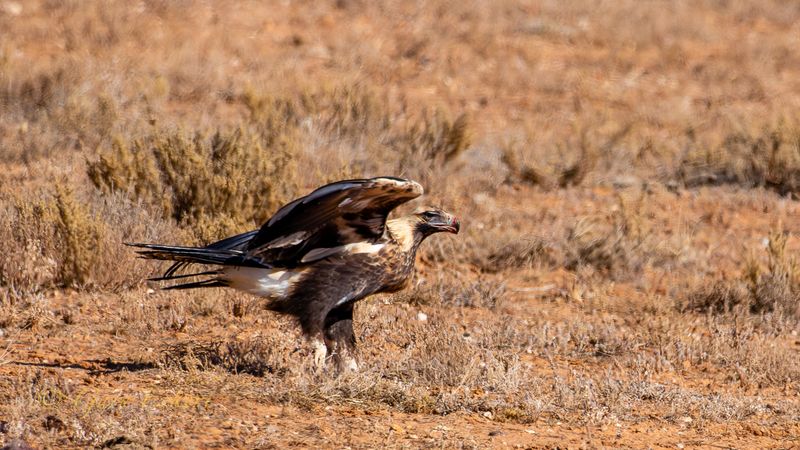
(320, 353)
(350, 364)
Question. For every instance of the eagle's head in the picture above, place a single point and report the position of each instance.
(435, 220)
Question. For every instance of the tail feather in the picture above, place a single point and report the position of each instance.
(238, 242)
(166, 277)
(201, 255)
(198, 284)
(215, 254)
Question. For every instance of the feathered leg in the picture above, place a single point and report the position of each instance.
(340, 339)
(312, 321)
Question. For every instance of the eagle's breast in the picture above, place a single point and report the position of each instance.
(399, 269)
(399, 255)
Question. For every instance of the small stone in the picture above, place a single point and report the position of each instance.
(495, 433)
(422, 317)
(623, 182)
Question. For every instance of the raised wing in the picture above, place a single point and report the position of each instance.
(333, 216)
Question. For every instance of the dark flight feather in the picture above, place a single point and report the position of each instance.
(334, 215)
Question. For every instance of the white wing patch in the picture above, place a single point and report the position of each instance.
(261, 282)
(292, 239)
(319, 253)
(357, 247)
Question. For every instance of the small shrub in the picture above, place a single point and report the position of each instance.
(56, 242)
(81, 235)
(522, 171)
(68, 240)
(268, 111)
(720, 297)
(777, 288)
(352, 112)
(230, 179)
(29, 261)
(437, 138)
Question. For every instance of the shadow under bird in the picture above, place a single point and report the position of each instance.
(317, 256)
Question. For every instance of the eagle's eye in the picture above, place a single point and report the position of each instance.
(428, 215)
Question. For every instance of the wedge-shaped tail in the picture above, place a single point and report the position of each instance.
(211, 255)
(199, 255)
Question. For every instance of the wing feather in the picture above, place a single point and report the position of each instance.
(332, 216)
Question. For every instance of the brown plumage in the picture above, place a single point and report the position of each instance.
(318, 255)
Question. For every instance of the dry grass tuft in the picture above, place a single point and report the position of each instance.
(352, 112)
(30, 255)
(776, 289)
(436, 138)
(430, 145)
(769, 159)
(521, 253)
(81, 234)
(444, 291)
(771, 289)
(256, 356)
(616, 247)
(522, 171)
(576, 159)
(721, 297)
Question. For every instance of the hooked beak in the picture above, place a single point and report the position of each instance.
(453, 226)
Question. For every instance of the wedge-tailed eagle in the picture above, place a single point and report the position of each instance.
(317, 256)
